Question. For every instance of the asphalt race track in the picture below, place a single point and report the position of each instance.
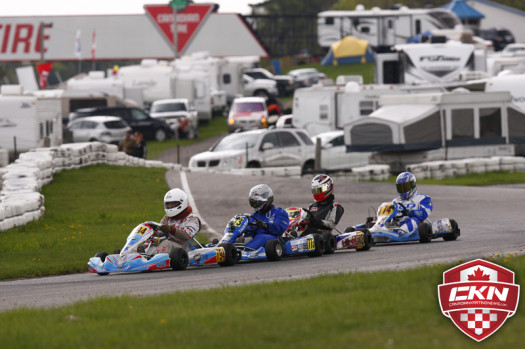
(489, 219)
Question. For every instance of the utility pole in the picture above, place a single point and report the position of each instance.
(176, 5)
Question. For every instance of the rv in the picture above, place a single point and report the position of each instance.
(435, 63)
(514, 83)
(383, 28)
(28, 122)
(439, 126)
(320, 108)
(162, 80)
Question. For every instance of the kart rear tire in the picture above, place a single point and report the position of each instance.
(369, 241)
(273, 250)
(329, 243)
(102, 256)
(455, 232)
(231, 254)
(425, 232)
(319, 246)
(178, 259)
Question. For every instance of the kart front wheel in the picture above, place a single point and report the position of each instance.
(425, 232)
(102, 256)
(329, 243)
(319, 246)
(178, 259)
(455, 232)
(231, 254)
(369, 241)
(273, 250)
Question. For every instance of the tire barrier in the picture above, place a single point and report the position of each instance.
(452, 168)
(21, 181)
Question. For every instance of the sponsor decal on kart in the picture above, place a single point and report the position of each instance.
(311, 243)
(220, 254)
(478, 297)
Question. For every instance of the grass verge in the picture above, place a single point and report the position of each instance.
(474, 179)
(332, 311)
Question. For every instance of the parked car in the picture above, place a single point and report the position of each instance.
(107, 129)
(499, 36)
(284, 83)
(247, 113)
(514, 50)
(334, 155)
(306, 77)
(259, 87)
(259, 148)
(137, 119)
(177, 113)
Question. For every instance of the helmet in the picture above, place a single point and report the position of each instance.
(175, 202)
(406, 185)
(261, 198)
(322, 187)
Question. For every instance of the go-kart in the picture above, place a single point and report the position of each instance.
(274, 249)
(384, 227)
(300, 218)
(139, 254)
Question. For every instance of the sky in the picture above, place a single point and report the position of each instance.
(97, 7)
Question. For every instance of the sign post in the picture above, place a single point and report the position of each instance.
(176, 5)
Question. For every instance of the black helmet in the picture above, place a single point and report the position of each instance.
(261, 198)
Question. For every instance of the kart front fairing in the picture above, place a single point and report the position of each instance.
(129, 259)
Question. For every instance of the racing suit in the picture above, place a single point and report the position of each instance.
(183, 229)
(278, 222)
(327, 214)
(418, 206)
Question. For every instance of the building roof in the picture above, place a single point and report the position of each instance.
(463, 10)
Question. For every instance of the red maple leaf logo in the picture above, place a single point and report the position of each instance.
(478, 275)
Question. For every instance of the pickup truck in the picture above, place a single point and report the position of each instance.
(285, 83)
(179, 115)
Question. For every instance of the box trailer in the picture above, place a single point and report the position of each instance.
(28, 122)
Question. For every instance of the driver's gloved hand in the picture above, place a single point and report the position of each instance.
(261, 224)
(165, 229)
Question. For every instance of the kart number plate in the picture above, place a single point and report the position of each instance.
(311, 243)
(220, 255)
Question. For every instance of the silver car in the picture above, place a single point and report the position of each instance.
(107, 129)
(259, 148)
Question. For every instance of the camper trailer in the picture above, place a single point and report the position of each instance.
(514, 83)
(320, 108)
(383, 28)
(439, 126)
(434, 63)
(96, 81)
(163, 80)
(28, 122)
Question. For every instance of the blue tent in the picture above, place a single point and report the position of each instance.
(348, 50)
(463, 10)
(419, 37)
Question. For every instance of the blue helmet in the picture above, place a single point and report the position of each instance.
(406, 185)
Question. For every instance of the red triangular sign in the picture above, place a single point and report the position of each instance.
(188, 21)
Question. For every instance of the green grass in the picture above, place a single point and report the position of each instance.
(359, 310)
(475, 179)
(216, 127)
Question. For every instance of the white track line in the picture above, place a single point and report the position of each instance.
(186, 188)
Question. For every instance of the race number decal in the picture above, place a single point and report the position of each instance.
(386, 209)
(220, 254)
(238, 222)
(311, 243)
(142, 230)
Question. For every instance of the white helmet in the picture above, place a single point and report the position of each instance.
(175, 202)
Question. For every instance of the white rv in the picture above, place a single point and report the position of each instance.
(514, 83)
(439, 126)
(383, 28)
(28, 122)
(437, 63)
(320, 108)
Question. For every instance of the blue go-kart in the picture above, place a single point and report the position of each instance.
(384, 227)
